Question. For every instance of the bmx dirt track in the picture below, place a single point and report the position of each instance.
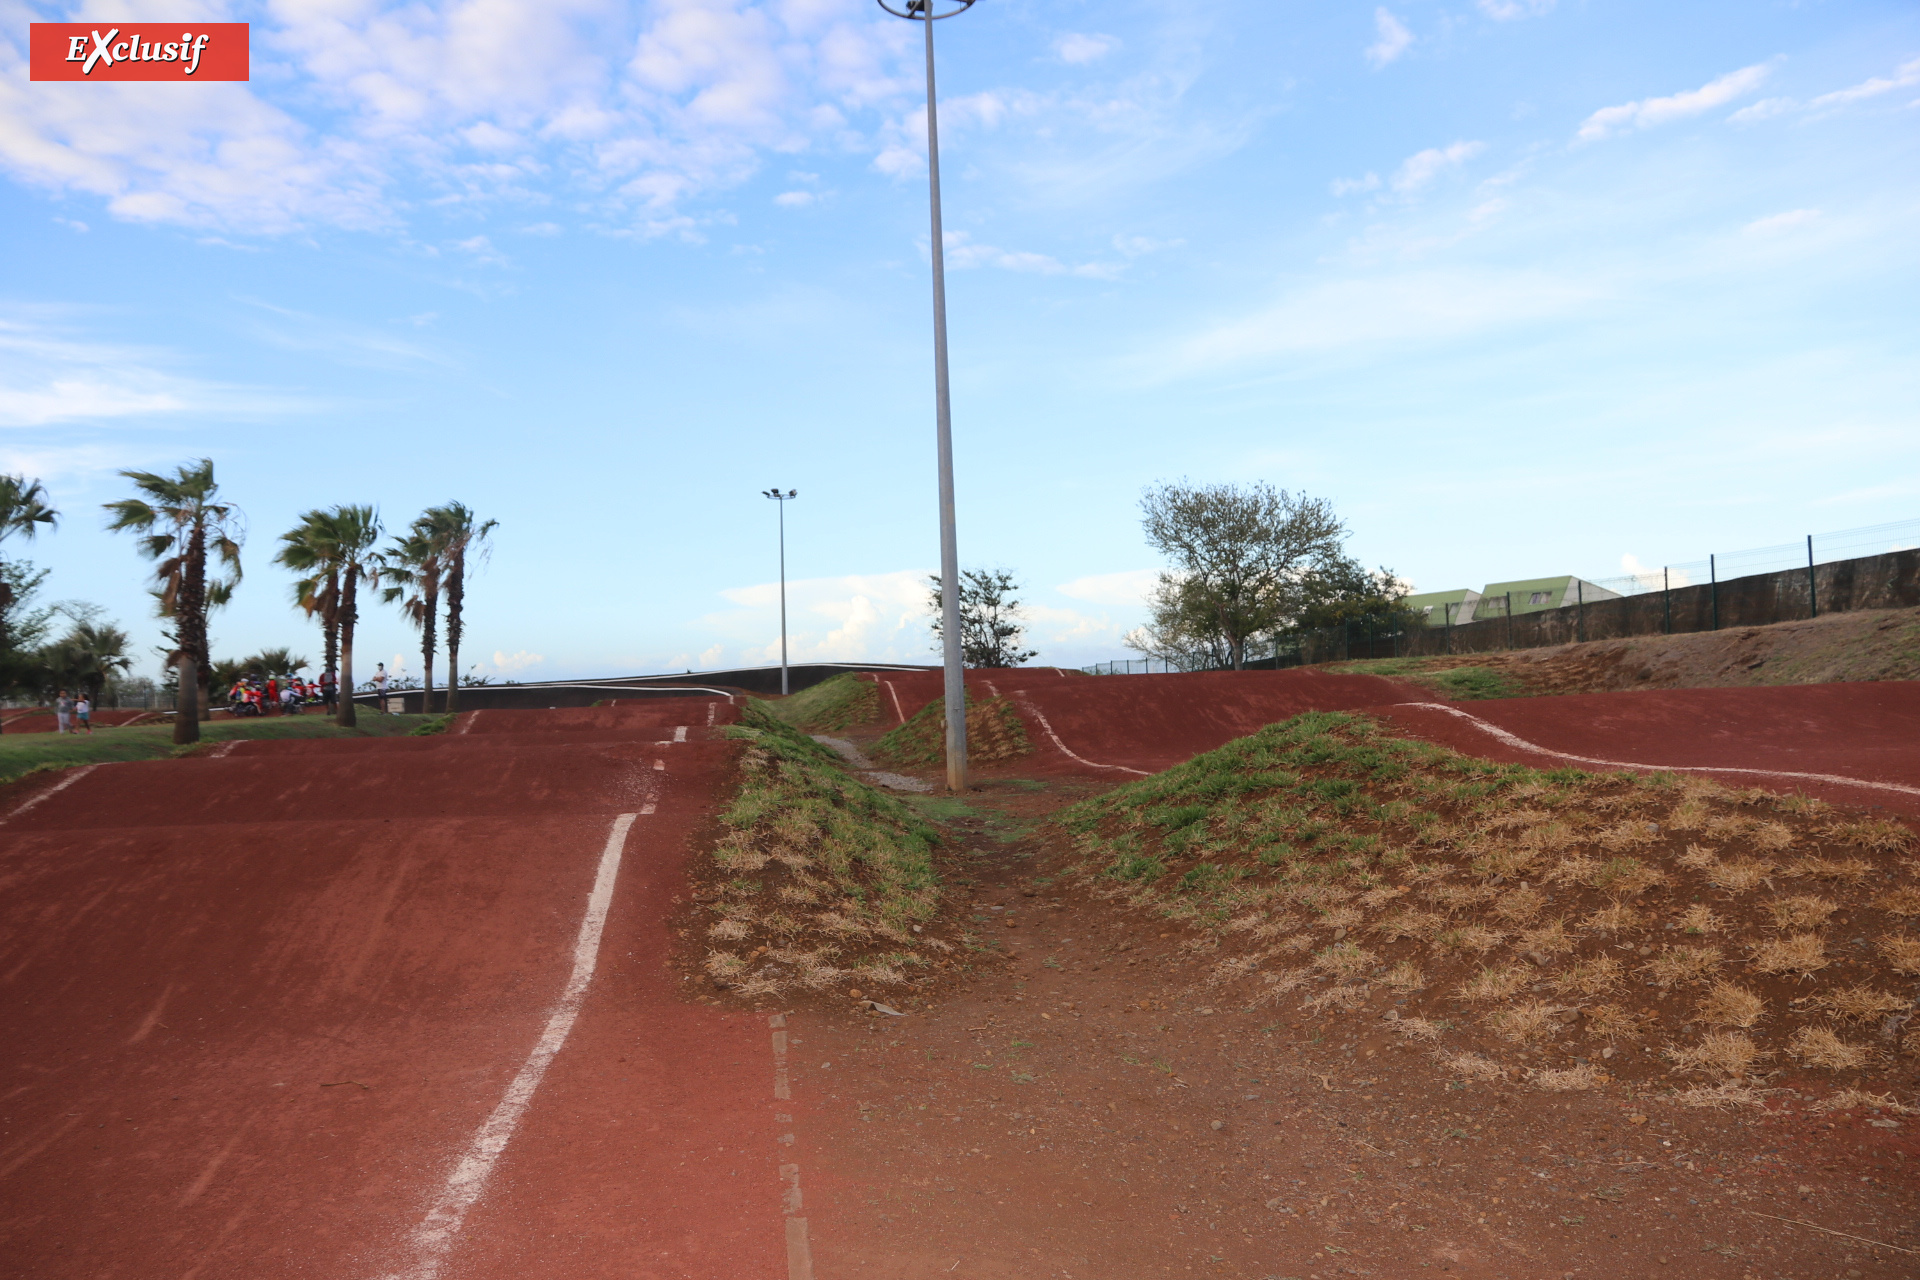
(260, 1005)
(267, 1008)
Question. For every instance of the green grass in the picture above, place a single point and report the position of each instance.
(829, 706)
(1461, 683)
(24, 753)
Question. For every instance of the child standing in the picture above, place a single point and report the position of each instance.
(62, 712)
(83, 712)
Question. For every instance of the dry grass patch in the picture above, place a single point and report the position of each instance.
(1527, 1021)
(1698, 919)
(1423, 1029)
(1549, 939)
(1858, 1003)
(1494, 983)
(1698, 858)
(1517, 906)
(1404, 978)
(1842, 870)
(1345, 960)
(1625, 877)
(1725, 1096)
(1345, 999)
(1677, 965)
(1615, 918)
(1409, 924)
(1581, 1075)
(1801, 955)
(1612, 1022)
(1341, 918)
(1904, 901)
(1689, 815)
(1820, 1047)
(1901, 952)
(1476, 938)
(1856, 1099)
(1801, 911)
(1880, 834)
(1728, 1004)
(1726, 1053)
(1740, 875)
(1473, 1066)
(1593, 976)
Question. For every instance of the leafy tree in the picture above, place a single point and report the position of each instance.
(23, 509)
(90, 656)
(466, 540)
(355, 532)
(1239, 556)
(1342, 591)
(413, 570)
(306, 549)
(22, 627)
(182, 522)
(990, 625)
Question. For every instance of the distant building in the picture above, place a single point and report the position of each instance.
(1536, 595)
(1441, 608)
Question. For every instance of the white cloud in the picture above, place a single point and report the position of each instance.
(505, 663)
(1422, 167)
(963, 252)
(1350, 186)
(1780, 222)
(1908, 74)
(1648, 112)
(1419, 308)
(1508, 10)
(1076, 48)
(48, 376)
(1394, 38)
(858, 617)
(1653, 577)
(795, 199)
(1127, 588)
(1765, 109)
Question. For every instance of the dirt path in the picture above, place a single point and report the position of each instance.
(377, 1009)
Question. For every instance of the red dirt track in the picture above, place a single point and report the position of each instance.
(1869, 731)
(259, 1005)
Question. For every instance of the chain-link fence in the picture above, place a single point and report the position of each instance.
(1872, 567)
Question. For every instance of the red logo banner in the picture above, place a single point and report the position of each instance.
(140, 51)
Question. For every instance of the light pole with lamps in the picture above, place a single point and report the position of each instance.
(925, 12)
(783, 499)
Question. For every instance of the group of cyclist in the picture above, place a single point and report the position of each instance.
(288, 695)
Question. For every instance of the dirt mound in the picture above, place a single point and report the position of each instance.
(1575, 931)
(994, 733)
(1881, 644)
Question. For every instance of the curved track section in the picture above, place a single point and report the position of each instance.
(265, 1010)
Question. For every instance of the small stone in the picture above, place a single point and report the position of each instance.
(1219, 1125)
(1274, 1203)
(854, 994)
(1636, 1119)
(1607, 1052)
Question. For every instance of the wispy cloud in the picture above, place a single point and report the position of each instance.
(1908, 74)
(1508, 10)
(1776, 223)
(1422, 167)
(1393, 39)
(1649, 112)
(1078, 49)
(964, 252)
(1127, 588)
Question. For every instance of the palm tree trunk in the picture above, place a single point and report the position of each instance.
(330, 625)
(186, 709)
(456, 589)
(345, 717)
(190, 609)
(429, 615)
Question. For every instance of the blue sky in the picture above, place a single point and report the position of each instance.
(1523, 287)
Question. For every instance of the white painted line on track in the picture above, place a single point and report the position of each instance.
(73, 776)
(799, 1252)
(680, 733)
(466, 721)
(1041, 717)
(1515, 740)
(895, 695)
(712, 709)
(224, 749)
(435, 1235)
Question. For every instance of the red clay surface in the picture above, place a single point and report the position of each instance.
(258, 1005)
(1869, 731)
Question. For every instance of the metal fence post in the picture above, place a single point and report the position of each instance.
(1446, 612)
(1713, 586)
(1580, 594)
(1509, 619)
(1813, 599)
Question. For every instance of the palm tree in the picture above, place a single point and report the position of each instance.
(90, 655)
(307, 549)
(355, 532)
(413, 571)
(23, 508)
(181, 522)
(273, 663)
(465, 537)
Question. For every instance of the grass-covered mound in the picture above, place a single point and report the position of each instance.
(994, 732)
(816, 878)
(1567, 928)
(1461, 679)
(831, 705)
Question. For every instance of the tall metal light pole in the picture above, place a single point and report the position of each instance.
(783, 499)
(925, 12)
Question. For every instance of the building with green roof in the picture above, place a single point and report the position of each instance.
(1537, 595)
